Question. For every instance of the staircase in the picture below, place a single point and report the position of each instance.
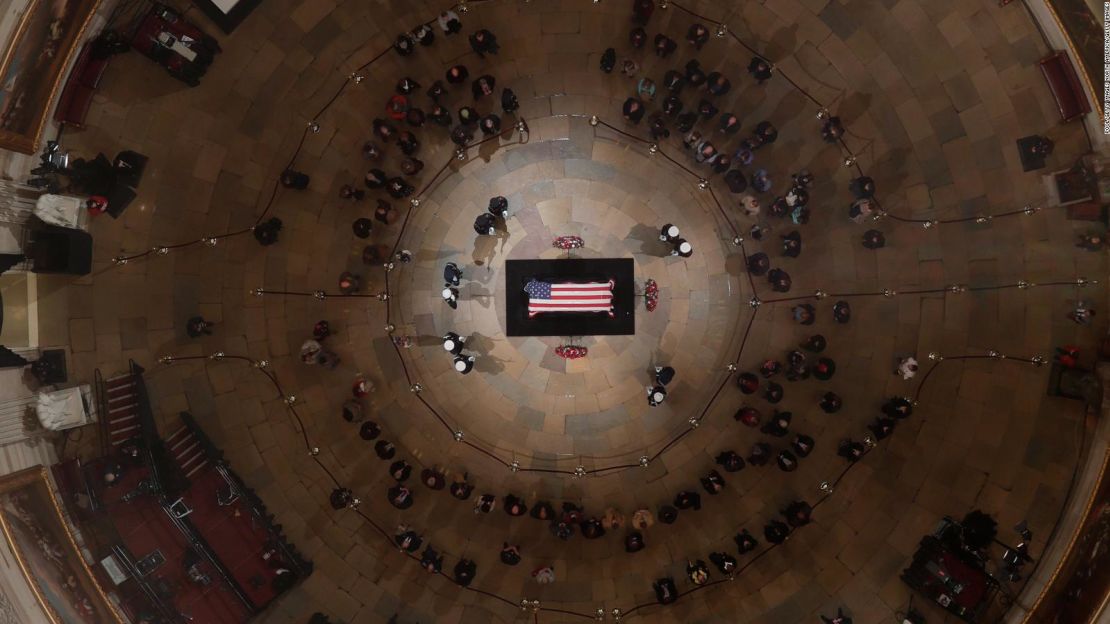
(123, 409)
(187, 451)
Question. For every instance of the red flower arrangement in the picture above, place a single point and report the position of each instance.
(651, 295)
(571, 352)
(566, 243)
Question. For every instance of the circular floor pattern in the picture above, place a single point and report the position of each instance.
(936, 138)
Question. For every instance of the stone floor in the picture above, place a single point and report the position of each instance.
(934, 95)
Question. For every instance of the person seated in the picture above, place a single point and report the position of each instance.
(562, 530)
(433, 479)
(731, 461)
(485, 503)
(831, 403)
(400, 497)
(898, 407)
(612, 519)
(634, 542)
(407, 539)
(747, 382)
(787, 461)
(464, 572)
(882, 427)
(750, 416)
(642, 519)
(798, 513)
(340, 498)
(665, 590)
(460, 489)
(850, 450)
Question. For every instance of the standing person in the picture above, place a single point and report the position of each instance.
(874, 239)
(663, 375)
(449, 22)
(608, 60)
(682, 248)
(485, 224)
(633, 110)
(907, 368)
(196, 326)
(453, 343)
(1082, 313)
(452, 274)
(509, 102)
(451, 297)
(464, 363)
(792, 244)
(831, 403)
(669, 233)
(642, 10)
(760, 69)
(293, 179)
(499, 207)
(665, 590)
(484, 42)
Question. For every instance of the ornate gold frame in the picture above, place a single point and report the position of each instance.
(1066, 556)
(36, 476)
(1077, 61)
(18, 142)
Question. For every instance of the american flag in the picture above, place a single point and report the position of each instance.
(568, 297)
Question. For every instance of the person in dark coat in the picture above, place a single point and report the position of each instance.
(747, 382)
(400, 496)
(514, 505)
(464, 363)
(400, 470)
(669, 233)
(404, 45)
(431, 560)
(441, 116)
(667, 514)
(760, 69)
(792, 244)
(464, 572)
(407, 539)
(862, 187)
(815, 343)
(634, 542)
(778, 425)
(340, 498)
(730, 461)
(633, 110)
(484, 42)
(697, 35)
(682, 248)
(293, 179)
(451, 297)
(608, 60)
(833, 130)
(735, 181)
(490, 125)
(542, 511)
(798, 514)
(664, 46)
(433, 479)
(642, 10)
(695, 76)
(453, 343)
(749, 416)
(637, 38)
(802, 445)
(745, 543)
(509, 103)
(758, 264)
(498, 207)
(717, 84)
(369, 430)
(765, 134)
(773, 393)
(779, 279)
(687, 500)
(483, 86)
(510, 554)
(452, 274)
(898, 407)
(385, 449)
(663, 375)
(874, 239)
(461, 490)
(656, 395)
(485, 224)
(725, 562)
(665, 590)
(713, 483)
(842, 312)
(850, 450)
(457, 74)
(776, 532)
(831, 403)
(760, 454)
(591, 528)
(407, 86)
(882, 427)
(824, 369)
